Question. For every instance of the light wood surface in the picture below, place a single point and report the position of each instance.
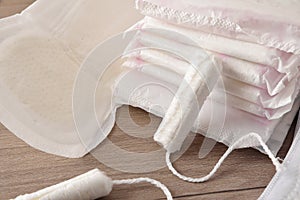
(23, 169)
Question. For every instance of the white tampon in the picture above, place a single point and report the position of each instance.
(185, 106)
(91, 185)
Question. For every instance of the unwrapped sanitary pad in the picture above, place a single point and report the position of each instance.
(41, 51)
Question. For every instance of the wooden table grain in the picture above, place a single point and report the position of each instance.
(23, 169)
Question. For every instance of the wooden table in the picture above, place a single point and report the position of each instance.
(23, 169)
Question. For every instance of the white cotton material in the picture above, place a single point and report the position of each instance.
(41, 51)
(186, 104)
(89, 186)
(286, 183)
(273, 24)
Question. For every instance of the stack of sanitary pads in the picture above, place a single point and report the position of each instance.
(257, 48)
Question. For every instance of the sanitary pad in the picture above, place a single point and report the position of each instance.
(272, 24)
(41, 51)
